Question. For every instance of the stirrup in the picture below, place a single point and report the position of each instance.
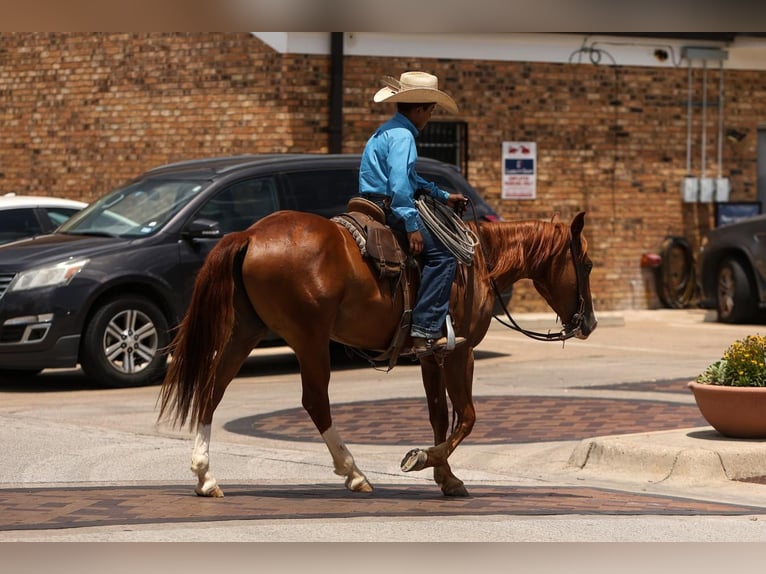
(422, 347)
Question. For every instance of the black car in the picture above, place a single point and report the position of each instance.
(732, 270)
(106, 288)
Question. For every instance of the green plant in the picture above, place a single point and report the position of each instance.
(742, 365)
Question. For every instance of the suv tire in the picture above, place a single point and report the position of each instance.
(124, 343)
(734, 296)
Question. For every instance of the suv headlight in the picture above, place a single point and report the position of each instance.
(50, 276)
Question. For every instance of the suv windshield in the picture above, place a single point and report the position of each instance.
(136, 210)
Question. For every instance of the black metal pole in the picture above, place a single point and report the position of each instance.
(335, 143)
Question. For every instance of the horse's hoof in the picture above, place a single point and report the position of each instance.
(457, 491)
(214, 492)
(359, 485)
(364, 487)
(416, 459)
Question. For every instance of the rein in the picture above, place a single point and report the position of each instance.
(568, 330)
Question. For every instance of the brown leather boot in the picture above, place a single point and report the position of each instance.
(422, 346)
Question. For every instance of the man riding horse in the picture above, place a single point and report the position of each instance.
(303, 277)
(387, 177)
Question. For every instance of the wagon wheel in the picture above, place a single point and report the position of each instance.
(676, 283)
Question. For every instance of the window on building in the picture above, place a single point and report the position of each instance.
(445, 141)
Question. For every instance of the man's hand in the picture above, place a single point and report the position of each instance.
(416, 242)
(457, 201)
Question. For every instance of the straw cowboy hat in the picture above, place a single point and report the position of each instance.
(416, 88)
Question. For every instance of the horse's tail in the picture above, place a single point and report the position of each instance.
(197, 346)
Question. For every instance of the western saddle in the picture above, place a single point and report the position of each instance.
(379, 244)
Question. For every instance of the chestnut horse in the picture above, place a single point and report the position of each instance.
(303, 277)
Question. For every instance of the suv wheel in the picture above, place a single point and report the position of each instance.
(124, 343)
(734, 299)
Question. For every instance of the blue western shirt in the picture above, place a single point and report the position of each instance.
(388, 168)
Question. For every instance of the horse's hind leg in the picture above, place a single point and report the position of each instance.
(248, 331)
(207, 485)
(314, 358)
(232, 358)
(438, 413)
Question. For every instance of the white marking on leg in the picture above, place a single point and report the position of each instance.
(200, 464)
(344, 462)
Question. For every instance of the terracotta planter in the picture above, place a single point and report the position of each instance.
(735, 412)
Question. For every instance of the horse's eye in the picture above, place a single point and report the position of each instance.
(589, 267)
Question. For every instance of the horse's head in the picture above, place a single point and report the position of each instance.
(566, 284)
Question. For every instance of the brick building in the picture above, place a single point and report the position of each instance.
(618, 122)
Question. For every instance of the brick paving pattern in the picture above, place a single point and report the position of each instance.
(500, 420)
(54, 508)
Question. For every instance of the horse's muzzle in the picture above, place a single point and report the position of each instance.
(586, 327)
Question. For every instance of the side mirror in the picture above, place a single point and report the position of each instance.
(202, 229)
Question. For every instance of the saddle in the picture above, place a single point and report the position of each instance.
(383, 248)
(378, 242)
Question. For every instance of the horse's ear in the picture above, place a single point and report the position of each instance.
(555, 218)
(577, 224)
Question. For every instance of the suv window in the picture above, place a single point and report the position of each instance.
(59, 215)
(325, 192)
(443, 182)
(240, 205)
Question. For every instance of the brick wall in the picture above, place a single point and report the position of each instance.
(82, 113)
(610, 141)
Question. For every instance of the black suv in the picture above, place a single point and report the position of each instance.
(106, 288)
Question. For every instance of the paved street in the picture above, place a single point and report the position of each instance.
(82, 463)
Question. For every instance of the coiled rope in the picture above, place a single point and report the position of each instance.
(445, 224)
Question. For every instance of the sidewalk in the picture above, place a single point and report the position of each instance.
(685, 456)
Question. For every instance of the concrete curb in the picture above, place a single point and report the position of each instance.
(692, 456)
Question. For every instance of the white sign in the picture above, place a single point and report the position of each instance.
(519, 170)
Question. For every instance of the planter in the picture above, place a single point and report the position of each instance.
(735, 412)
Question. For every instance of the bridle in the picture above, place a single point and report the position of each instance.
(568, 330)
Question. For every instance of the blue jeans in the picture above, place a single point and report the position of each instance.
(436, 277)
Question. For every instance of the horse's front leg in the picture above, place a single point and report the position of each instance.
(315, 379)
(438, 414)
(344, 463)
(456, 376)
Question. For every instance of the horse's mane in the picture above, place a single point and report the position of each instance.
(516, 245)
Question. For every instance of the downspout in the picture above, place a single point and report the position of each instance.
(335, 142)
(689, 122)
(703, 136)
(722, 186)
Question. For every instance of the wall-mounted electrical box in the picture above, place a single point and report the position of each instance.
(707, 189)
(722, 188)
(704, 53)
(690, 189)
